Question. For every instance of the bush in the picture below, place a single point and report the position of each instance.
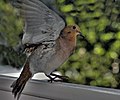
(95, 62)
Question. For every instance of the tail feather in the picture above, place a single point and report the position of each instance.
(20, 83)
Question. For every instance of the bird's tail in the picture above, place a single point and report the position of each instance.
(20, 83)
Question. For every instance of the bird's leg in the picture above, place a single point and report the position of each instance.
(51, 79)
(64, 78)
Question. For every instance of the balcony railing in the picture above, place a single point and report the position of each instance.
(43, 90)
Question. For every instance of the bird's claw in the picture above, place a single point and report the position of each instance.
(62, 78)
(51, 80)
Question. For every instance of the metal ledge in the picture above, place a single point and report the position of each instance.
(42, 90)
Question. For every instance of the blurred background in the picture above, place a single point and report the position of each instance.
(95, 62)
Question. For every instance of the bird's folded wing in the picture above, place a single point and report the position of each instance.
(41, 23)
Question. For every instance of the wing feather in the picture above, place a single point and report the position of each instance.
(41, 23)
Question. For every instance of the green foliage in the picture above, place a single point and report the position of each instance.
(10, 23)
(99, 22)
(10, 27)
(95, 62)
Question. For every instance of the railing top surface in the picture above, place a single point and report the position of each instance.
(61, 91)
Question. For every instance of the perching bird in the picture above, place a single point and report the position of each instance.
(48, 42)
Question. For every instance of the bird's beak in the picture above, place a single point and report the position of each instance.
(80, 34)
(82, 37)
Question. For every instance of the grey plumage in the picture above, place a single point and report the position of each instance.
(44, 47)
(41, 23)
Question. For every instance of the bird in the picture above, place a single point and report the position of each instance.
(48, 42)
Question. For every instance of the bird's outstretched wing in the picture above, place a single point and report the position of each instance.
(41, 23)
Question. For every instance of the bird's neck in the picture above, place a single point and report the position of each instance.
(68, 43)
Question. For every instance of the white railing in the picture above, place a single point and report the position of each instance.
(43, 90)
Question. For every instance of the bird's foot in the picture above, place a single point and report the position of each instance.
(51, 79)
(63, 78)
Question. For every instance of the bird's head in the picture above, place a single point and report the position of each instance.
(72, 31)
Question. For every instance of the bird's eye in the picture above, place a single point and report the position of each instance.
(74, 27)
(69, 32)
